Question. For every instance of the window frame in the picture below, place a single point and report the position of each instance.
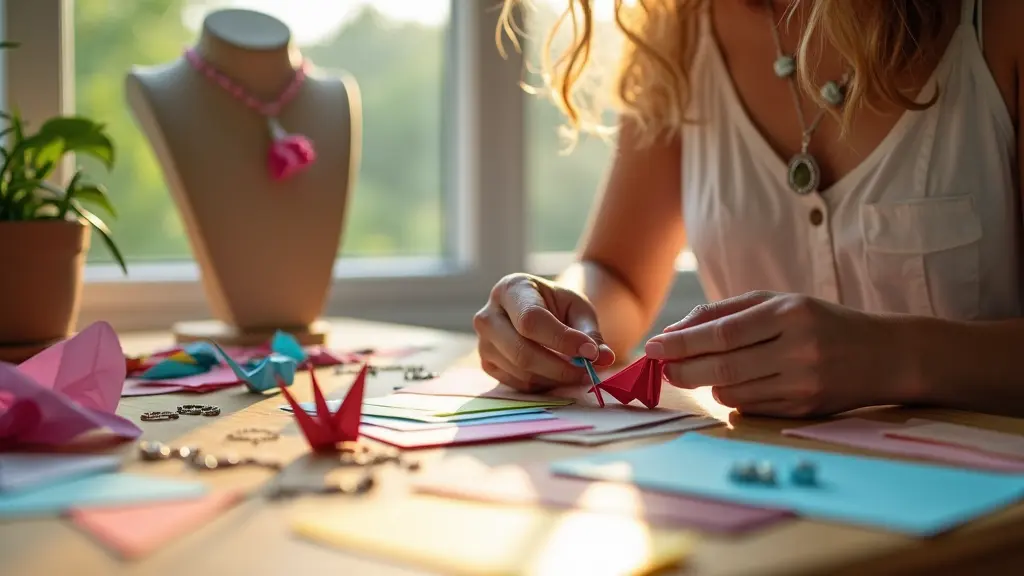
(485, 192)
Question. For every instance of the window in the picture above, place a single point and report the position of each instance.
(460, 182)
(394, 49)
(562, 183)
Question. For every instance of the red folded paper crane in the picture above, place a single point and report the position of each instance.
(326, 430)
(641, 381)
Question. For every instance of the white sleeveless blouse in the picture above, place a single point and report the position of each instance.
(929, 223)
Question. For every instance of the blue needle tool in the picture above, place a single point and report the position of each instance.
(581, 361)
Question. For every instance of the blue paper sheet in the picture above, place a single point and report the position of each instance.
(97, 490)
(916, 499)
(27, 471)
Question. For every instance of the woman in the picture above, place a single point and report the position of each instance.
(862, 251)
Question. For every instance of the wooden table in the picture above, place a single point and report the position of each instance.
(254, 539)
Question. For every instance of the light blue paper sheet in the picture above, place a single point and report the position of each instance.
(97, 490)
(23, 471)
(915, 499)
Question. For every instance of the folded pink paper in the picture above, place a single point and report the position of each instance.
(455, 434)
(71, 388)
(872, 435)
(533, 484)
(135, 531)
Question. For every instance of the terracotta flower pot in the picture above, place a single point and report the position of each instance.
(42, 263)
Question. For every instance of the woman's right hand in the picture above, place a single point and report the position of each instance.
(530, 329)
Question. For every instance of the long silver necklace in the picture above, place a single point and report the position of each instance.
(804, 173)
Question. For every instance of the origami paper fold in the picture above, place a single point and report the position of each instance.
(68, 389)
(190, 360)
(267, 373)
(325, 430)
(285, 344)
(641, 381)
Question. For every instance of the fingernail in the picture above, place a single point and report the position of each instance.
(674, 326)
(655, 350)
(588, 351)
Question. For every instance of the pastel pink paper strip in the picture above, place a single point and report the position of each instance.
(135, 531)
(455, 435)
(870, 435)
(533, 484)
(217, 376)
(142, 388)
(68, 389)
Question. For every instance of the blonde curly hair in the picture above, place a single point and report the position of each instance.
(876, 38)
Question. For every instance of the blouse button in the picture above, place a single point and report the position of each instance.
(817, 217)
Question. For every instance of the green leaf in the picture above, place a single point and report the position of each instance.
(47, 152)
(80, 135)
(68, 194)
(104, 233)
(7, 44)
(93, 196)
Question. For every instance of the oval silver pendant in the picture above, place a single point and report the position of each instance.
(804, 175)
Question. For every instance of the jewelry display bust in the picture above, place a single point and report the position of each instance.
(260, 158)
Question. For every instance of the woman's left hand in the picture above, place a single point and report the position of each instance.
(786, 355)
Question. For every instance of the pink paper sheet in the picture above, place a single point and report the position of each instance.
(472, 382)
(68, 389)
(992, 442)
(135, 531)
(870, 435)
(533, 484)
(456, 435)
(218, 376)
(134, 387)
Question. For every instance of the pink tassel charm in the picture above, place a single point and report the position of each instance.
(289, 153)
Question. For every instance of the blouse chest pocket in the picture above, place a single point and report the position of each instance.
(922, 256)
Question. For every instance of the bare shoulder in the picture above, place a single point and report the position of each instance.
(1003, 46)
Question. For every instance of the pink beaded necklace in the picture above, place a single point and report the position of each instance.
(289, 153)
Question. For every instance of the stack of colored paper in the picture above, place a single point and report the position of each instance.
(608, 423)
(422, 421)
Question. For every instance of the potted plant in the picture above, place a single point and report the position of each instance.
(45, 227)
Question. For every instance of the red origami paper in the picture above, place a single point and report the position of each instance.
(641, 381)
(326, 430)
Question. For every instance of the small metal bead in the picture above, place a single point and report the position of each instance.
(832, 93)
(153, 451)
(766, 473)
(784, 66)
(364, 485)
(743, 472)
(805, 474)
